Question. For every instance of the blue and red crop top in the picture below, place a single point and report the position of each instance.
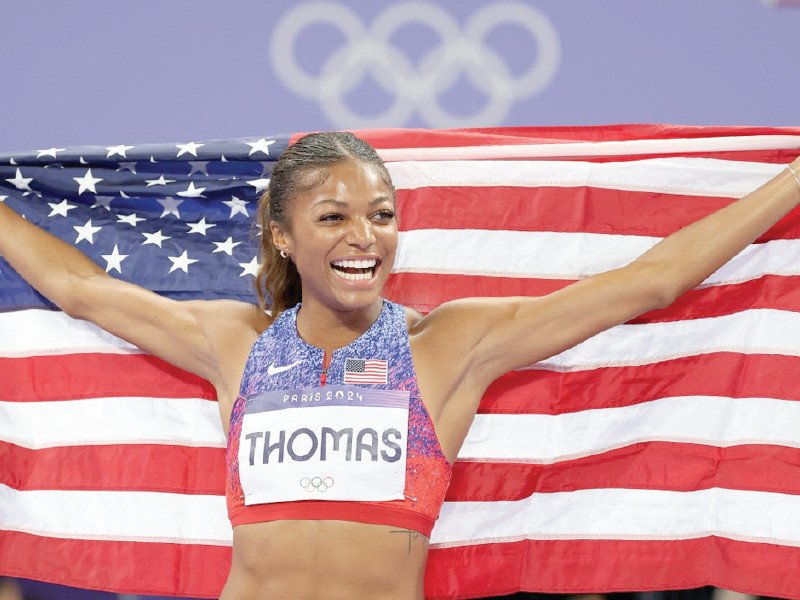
(427, 469)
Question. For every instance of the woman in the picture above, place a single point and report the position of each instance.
(329, 240)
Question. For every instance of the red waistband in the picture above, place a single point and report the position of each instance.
(316, 510)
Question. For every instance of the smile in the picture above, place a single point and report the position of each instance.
(355, 270)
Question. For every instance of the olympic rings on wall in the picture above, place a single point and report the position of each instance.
(319, 484)
(369, 52)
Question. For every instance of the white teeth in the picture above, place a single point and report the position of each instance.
(354, 276)
(355, 264)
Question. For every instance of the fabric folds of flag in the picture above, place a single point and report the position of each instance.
(661, 454)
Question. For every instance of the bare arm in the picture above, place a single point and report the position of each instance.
(508, 333)
(178, 332)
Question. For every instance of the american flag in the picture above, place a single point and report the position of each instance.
(359, 370)
(661, 454)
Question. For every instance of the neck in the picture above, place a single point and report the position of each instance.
(330, 329)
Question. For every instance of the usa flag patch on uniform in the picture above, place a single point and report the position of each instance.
(361, 370)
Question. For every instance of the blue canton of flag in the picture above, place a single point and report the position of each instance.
(359, 370)
(178, 219)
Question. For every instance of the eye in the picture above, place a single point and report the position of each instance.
(384, 215)
(331, 217)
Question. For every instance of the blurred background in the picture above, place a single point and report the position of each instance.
(107, 73)
(94, 72)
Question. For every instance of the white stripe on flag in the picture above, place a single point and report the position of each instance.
(132, 516)
(709, 420)
(578, 149)
(685, 176)
(36, 332)
(94, 421)
(754, 331)
(554, 255)
(757, 331)
(527, 438)
(624, 514)
(583, 514)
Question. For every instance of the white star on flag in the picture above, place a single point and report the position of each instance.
(154, 238)
(20, 182)
(200, 227)
(261, 145)
(62, 208)
(114, 260)
(159, 181)
(121, 150)
(127, 166)
(190, 148)
(170, 205)
(87, 182)
(192, 192)
(86, 232)
(102, 202)
(130, 219)
(237, 206)
(260, 184)
(227, 246)
(49, 152)
(181, 262)
(250, 268)
(198, 166)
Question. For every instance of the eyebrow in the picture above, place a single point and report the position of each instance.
(341, 204)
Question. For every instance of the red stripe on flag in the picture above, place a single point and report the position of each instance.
(426, 291)
(191, 570)
(488, 136)
(136, 467)
(97, 375)
(718, 374)
(560, 209)
(616, 566)
(661, 465)
(651, 465)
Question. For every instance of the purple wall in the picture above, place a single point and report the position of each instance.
(152, 71)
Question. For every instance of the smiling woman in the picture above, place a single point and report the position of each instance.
(345, 411)
(342, 236)
(302, 169)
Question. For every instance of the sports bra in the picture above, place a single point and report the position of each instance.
(281, 360)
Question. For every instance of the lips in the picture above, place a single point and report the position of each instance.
(355, 270)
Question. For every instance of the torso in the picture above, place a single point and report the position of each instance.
(323, 558)
(315, 560)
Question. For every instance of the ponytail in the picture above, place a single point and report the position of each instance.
(277, 276)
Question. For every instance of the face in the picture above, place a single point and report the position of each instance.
(343, 237)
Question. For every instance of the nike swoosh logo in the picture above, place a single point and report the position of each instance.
(273, 370)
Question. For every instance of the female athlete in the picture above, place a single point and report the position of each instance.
(344, 411)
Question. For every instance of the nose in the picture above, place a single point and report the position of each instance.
(360, 233)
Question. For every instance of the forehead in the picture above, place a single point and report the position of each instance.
(351, 178)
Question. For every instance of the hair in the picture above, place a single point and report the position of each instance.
(301, 167)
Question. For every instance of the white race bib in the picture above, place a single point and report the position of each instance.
(337, 442)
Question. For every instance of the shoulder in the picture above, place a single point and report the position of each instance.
(230, 323)
(413, 317)
(230, 313)
(458, 314)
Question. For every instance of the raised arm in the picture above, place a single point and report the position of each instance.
(484, 338)
(181, 333)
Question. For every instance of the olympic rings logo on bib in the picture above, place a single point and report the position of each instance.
(319, 484)
(369, 53)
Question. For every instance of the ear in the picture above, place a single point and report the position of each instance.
(279, 237)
